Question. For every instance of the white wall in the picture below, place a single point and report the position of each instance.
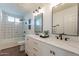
(27, 17)
(47, 20)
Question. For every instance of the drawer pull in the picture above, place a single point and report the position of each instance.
(53, 53)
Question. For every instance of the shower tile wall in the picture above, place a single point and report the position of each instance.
(10, 29)
(1, 27)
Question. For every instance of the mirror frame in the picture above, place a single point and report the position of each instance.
(41, 15)
(61, 33)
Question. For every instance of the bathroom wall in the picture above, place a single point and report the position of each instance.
(47, 20)
(27, 17)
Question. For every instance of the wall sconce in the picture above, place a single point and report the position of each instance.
(38, 11)
(33, 11)
(39, 7)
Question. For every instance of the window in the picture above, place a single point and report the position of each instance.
(11, 19)
(17, 20)
(38, 22)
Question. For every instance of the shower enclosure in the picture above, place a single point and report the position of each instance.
(10, 27)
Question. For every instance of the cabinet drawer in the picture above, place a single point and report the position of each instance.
(34, 43)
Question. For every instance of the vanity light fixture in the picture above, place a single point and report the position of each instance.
(38, 11)
(33, 11)
(39, 7)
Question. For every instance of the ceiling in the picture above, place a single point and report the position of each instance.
(20, 9)
(29, 7)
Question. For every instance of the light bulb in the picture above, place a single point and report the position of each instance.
(41, 10)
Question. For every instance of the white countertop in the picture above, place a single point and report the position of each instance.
(71, 46)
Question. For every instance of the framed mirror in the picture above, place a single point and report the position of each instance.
(38, 23)
(65, 19)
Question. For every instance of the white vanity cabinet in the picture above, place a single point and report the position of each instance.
(50, 50)
(35, 47)
(32, 47)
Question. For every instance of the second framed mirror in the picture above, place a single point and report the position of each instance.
(38, 23)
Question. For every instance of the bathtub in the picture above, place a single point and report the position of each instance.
(7, 43)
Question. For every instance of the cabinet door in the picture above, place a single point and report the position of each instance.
(33, 48)
(45, 49)
(58, 22)
(28, 47)
(38, 48)
(50, 50)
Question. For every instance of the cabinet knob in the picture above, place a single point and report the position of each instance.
(57, 37)
(66, 39)
(52, 52)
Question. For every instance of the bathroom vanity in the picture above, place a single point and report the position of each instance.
(65, 23)
(37, 46)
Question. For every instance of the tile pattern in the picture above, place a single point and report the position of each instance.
(9, 29)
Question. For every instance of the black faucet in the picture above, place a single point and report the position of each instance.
(60, 35)
(66, 39)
